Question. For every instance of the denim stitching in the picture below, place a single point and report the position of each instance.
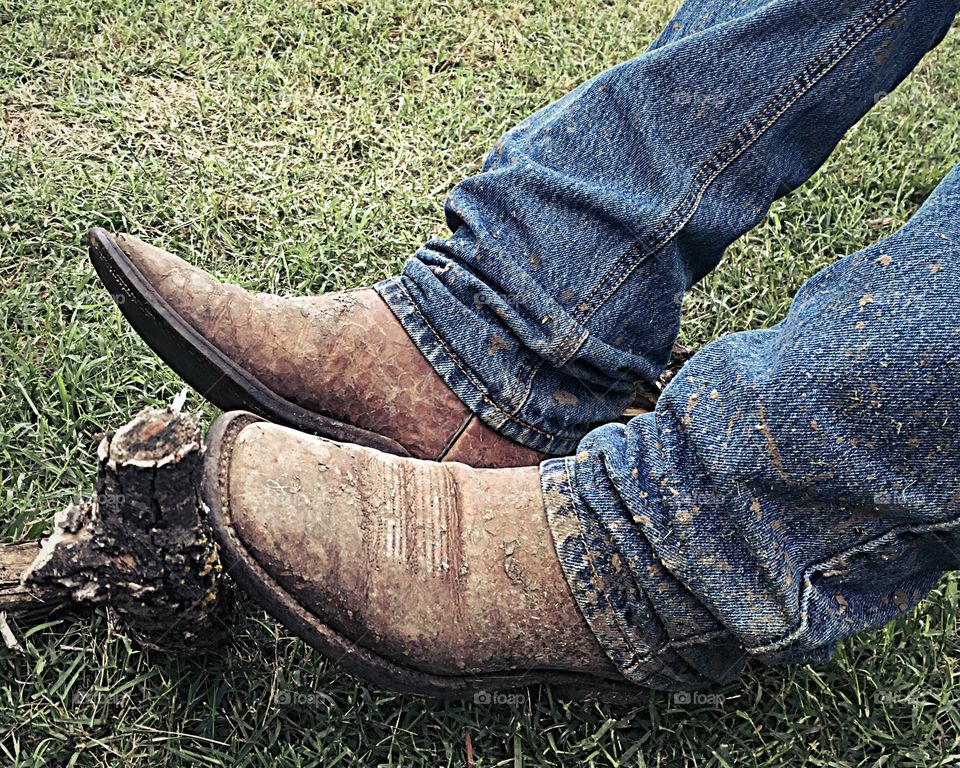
(480, 389)
(716, 165)
(574, 343)
(765, 125)
(536, 370)
(835, 561)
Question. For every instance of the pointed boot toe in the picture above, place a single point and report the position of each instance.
(339, 365)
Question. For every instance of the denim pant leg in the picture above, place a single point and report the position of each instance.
(793, 487)
(560, 287)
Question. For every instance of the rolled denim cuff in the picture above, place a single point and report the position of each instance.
(616, 608)
(492, 374)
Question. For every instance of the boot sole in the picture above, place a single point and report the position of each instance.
(245, 570)
(202, 365)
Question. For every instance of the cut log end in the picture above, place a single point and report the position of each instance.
(141, 544)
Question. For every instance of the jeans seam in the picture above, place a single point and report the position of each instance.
(574, 343)
(470, 378)
(717, 164)
(835, 561)
(562, 360)
(531, 377)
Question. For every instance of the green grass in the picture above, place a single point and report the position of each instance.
(307, 146)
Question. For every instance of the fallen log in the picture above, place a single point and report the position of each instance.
(140, 545)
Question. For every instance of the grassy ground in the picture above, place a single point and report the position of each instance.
(307, 146)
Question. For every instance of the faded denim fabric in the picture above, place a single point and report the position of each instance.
(793, 487)
(560, 286)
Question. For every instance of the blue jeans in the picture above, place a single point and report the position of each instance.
(795, 485)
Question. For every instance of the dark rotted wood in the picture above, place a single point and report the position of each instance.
(15, 599)
(140, 545)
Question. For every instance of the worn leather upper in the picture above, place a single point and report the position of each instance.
(340, 354)
(441, 567)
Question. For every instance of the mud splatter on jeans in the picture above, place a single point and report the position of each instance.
(795, 485)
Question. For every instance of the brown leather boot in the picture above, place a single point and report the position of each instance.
(338, 365)
(437, 579)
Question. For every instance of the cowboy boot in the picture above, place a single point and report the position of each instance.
(338, 365)
(428, 578)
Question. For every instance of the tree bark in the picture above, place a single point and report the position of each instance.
(140, 545)
(15, 598)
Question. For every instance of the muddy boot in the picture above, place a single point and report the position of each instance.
(338, 365)
(437, 579)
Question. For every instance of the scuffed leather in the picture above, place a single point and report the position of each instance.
(343, 355)
(441, 567)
